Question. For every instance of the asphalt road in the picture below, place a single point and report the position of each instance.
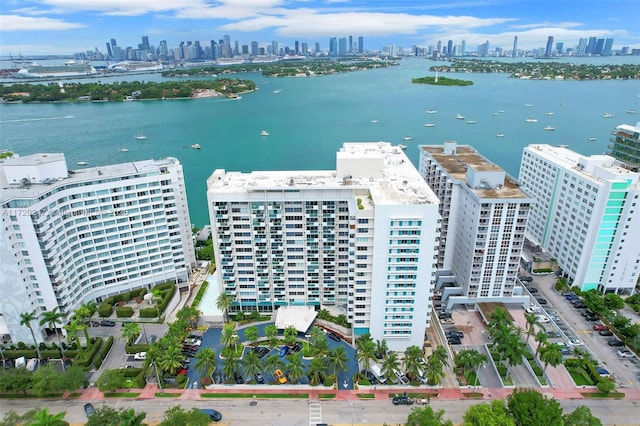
(298, 412)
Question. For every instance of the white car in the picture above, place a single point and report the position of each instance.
(532, 310)
(543, 319)
(626, 354)
(192, 342)
(140, 356)
(576, 342)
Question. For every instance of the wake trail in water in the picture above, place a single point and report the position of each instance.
(37, 119)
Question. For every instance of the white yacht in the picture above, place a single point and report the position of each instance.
(264, 133)
(550, 128)
(459, 117)
(607, 115)
(196, 146)
(429, 125)
(531, 120)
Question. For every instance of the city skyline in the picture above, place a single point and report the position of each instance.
(63, 27)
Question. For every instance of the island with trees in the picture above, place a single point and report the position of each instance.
(284, 68)
(442, 81)
(124, 90)
(543, 70)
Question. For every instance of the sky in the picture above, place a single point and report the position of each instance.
(62, 27)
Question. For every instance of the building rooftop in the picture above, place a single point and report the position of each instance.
(382, 169)
(456, 165)
(594, 167)
(79, 175)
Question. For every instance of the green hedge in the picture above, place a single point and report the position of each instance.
(148, 313)
(105, 309)
(89, 354)
(124, 311)
(134, 349)
(131, 372)
(141, 381)
(102, 354)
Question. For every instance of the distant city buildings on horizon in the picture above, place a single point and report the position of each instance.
(225, 48)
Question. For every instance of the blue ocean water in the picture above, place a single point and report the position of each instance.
(309, 119)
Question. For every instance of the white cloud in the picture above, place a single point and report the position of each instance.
(26, 23)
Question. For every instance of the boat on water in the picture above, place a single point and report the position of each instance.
(528, 105)
(495, 113)
(550, 128)
(500, 111)
(550, 113)
(632, 111)
(432, 111)
(429, 125)
(607, 115)
(277, 91)
(471, 122)
(500, 135)
(196, 146)
(82, 163)
(407, 138)
(591, 139)
(264, 133)
(402, 146)
(140, 136)
(124, 150)
(374, 121)
(459, 117)
(531, 120)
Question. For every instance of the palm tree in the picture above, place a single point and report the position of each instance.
(433, 371)
(295, 368)
(44, 418)
(25, 319)
(390, 364)
(315, 370)
(440, 356)
(532, 320)
(381, 348)
(130, 331)
(366, 352)
(84, 312)
(154, 353)
(250, 363)
(157, 297)
(498, 318)
(337, 360)
(52, 318)
(224, 302)
(72, 332)
(471, 359)
(412, 360)
(290, 335)
(321, 348)
(271, 331)
(130, 418)
(550, 355)
(316, 334)
(542, 338)
(230, 366)
(513, 352)
(171, 359)
(206, 361)
(273, 362)
(190, 314)
(251, 334)
(229, 337)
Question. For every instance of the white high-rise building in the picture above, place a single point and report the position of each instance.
(484, 214)
(73, 236)
(586, 216)
(360, 239)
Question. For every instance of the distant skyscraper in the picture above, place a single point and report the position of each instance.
(317, 48)
(145, 42)
(275, 50)
(109, 52)
(608, 45)
(214, 50)
(304, 48)
(350, 48)
(439, 46)
(226, 46)
(297, 47)
(360, 44)
(582, 47)
(591, 46)
(450, 47)
(254, 48)
(333, 46)
(463, 47)
(599, 47)
(342, 46)
(514, 52)
(549, 49)
(236, 48)
(559, 47)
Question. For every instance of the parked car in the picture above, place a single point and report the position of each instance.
(333, 336)
(571, 297)
(238, 378)
(107, 323)
(454, 333)
(532, 290)
(403, 379)
(626, 354)
(454, 341)
(140, 356)
(542, 319)
(152, 338)
(370, 376)
(295, 348)
(214, 415)
(602, 372)
(89, 410)
(567, 293)
(576, 342)
(615, 342)
(279, 376)
(532, 310)
(605, 333)
(444, 315)
(284, 351)
(402, 400)
(92, 323)
(541, 300)
(259, 378)
(599, 327)
(525, 278)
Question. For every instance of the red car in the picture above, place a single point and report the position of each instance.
(599, 327)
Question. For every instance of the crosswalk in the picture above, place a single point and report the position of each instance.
(315, 413)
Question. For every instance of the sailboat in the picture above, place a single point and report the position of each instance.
(140, 136)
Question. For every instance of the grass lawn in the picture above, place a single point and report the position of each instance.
(262, 395)
(326, 396)
(600, 395)
(121, 394)
(167, 394)
(365, 395)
